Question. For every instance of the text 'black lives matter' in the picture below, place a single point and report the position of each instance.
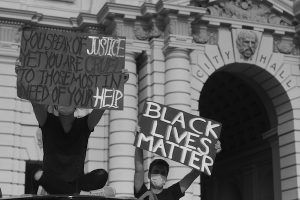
(179, 136)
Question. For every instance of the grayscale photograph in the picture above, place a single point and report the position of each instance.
(150, 99)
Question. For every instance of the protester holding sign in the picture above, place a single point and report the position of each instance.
(70, 69)
(179, 136)
(176, 135)
(158, 172)
(65, 140)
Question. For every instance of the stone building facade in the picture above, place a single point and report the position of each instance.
(234, 61)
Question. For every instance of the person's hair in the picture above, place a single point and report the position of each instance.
(159, 162)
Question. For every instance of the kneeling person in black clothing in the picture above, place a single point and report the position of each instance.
(65, 140)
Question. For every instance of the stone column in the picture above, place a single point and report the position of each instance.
(12, 111)
(177, 95)
(121, 135)
(151, 86)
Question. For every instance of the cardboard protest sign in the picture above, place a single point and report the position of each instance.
(179, 136)
(71, 69)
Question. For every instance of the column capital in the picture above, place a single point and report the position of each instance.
(179, 42)
(176, 52)
(118, 19)
(131, 55)
(137, 46)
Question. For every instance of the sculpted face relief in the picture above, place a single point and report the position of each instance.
(247, 43)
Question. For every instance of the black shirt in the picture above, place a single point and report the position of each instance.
(64, 153)
(171, 193)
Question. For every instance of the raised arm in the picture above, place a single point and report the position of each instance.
(186, 181)
(94, 118)
(139, 170)
(40, 112)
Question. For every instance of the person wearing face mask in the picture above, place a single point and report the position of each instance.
(157, 174)
(65, 138)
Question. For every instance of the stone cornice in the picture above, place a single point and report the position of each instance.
(47, 20)
(13, 16)
(86, 18)
(163, 7)
(147, 19)
(238, 23)
(282, 6)
(18, 15)
(148, 9)
(112, 9)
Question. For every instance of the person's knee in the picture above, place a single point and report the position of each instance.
(101, 175)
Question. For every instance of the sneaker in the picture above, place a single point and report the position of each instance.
(34, 174)
(106, 191)
(41, 191)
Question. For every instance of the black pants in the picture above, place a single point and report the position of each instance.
(93, 180)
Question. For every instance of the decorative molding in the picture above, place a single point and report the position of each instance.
(140, 32)
(205, 35)
(88, 23)
(18, 15)
(179, 41)
(247, 10)
(239, 23)
(13, 16)
(286, 45)
(167, 7)
(10, 34)
(86, 18)
(148, 9)
(64, 23)
(111, 10)
(10, 38)
(283, 5)
(94, 29)
(147, 29)
(65, 1)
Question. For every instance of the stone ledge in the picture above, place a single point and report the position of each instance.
(62, 197)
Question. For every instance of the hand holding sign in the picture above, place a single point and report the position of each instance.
(218, 147)
(179, 136)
